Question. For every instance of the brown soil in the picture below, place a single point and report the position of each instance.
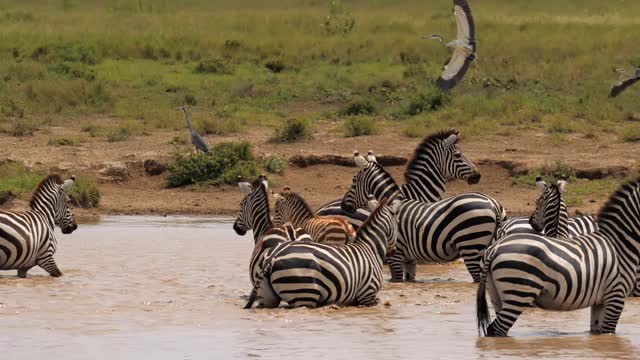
(498, 157)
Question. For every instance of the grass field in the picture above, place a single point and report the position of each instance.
(542, 64)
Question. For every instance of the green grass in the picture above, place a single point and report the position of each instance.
(16, 179)
(139, 59)
(84, 192)
(360, 126)
(64, 141)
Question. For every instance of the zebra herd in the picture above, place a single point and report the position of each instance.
(547, 260)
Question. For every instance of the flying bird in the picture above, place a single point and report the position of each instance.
(464, 47)
(360, 160)
(372, 203)
(69, 182)
(197, 140)
(245, 186)
(371, 157)
(629, 80)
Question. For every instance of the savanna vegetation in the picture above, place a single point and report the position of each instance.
(543, 65)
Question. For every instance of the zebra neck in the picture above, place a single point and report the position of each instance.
(44, 212)
(372, 239)
(421, 192)
(424, 181)
(261, 223)
(560, 226)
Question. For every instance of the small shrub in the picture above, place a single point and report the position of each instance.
(560, 126)
(11, 109)
(430, 100)
(213, 66)
(293, 130)
(415, 72)
(360, 126)
(359, 107)
(190, 100)
(276, 66)
(21, 128)
(232, 44)
(92, 130)
(221, 165)
(84, 193)
(118, 134)
(218, 126)
(275, 164)
(63, 141)
(409, 57)
(16, 179)
(631, 134)
(338, 22)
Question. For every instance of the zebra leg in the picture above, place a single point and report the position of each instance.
(473, 262)
(49, 265)
(410, 271)
(508, 305)
(396, 266)
(605, 316)
(267, 298)
(22, 273)
(636, 289)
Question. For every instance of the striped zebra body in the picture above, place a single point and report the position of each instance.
(579, 225)
(435, 160)
(27, 239)
(458, 227)
(312, 275)
(596, 270)
(291, 207)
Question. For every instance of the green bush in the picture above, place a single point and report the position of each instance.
(360, 126)
(64, 141)
(213, 66)
(430, 99)
(275, 66)
(293, 130)
(16, 179)
(84, 193)
(275, 164)
(92, 130)
(221, 165)
(359, 107)
(118, 134)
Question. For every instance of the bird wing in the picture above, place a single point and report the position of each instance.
(456, 68)
(620, 86)
(199, 142)
(464, 23)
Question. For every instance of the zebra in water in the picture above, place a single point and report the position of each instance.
(435, 160)
(461, 226)
(570, 227)
(27, 238)
(313, 275)
(596, 270)
(254, 215)
(291, 207)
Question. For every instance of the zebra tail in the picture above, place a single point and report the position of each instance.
(482, 308)
(252, 298)
(264, 273)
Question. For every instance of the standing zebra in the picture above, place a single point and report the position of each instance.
(596, 270)
(312, 274)
(27, 238)
(291, 207)
(254, 215)
(559, 226)
(435, 160)
(461, 226)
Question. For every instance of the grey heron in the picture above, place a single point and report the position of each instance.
(245, 186)
(197, 140)
(629, 80)
(371, 157)
(359, 159)
(464, 47)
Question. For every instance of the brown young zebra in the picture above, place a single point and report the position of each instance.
(291, 207)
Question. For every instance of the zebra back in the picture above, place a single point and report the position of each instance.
(550, 214)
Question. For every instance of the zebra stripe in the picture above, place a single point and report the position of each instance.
(435, 160)
(27, 238)
(579, 225)
(291, 207)
(596, 270)
(312, 274)
(458, 227)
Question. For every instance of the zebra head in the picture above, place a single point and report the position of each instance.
(50, 197)
(549, 207)
(438, 158)
(253, 208)
(371, 179)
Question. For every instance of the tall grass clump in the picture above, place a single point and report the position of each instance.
(360, 126)
(275, 164)
(359, 107)
(84, 193)
(64, 141)
(293, 130)
(16, 179)
(119, 133)
(222, 165)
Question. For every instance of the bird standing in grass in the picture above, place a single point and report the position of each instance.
(360, 160)
(197, 140)
(371, 157)
(629, 80)
(464, 47)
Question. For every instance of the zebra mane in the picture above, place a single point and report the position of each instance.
(379, 167)
(257, 185)
(422, 148)
(53, 178)
(617, 202)
(373, 215)
(298, 198)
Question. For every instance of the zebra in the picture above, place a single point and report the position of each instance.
(558, 225)
(291, 207)
(27, 238)
(461, 226)
(254, 215)
(596, 270)
(435, 160)
(312, 275)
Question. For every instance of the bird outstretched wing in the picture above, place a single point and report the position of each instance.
(620, 86)
(455, 70)
(464, 23)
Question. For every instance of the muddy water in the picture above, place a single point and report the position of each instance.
(170, 288)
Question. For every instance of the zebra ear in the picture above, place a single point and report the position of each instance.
(245, 188)
(276, 196)
(68, 183)
(540, 184)
(562, 185)
(451, 139)
(395, 205)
